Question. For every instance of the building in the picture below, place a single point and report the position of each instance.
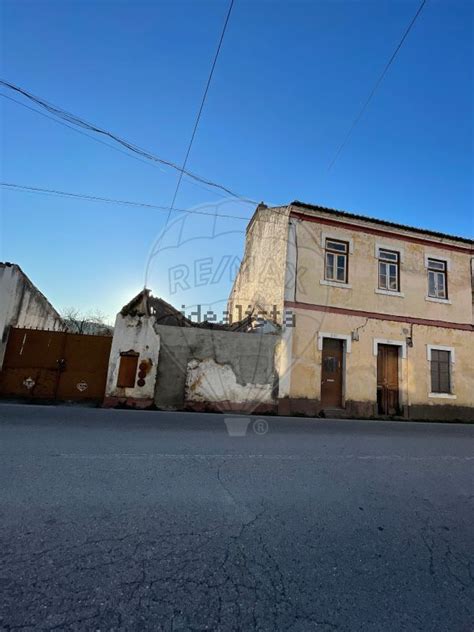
(23, 305)
(377, 317)
(161, 359)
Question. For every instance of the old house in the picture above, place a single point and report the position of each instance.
(377, 317)
(23, 305)
(161, 358)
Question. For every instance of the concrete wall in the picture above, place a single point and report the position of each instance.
(23, 305)
(216, 370)
(133, 333)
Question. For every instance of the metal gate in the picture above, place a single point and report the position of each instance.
(55, 365)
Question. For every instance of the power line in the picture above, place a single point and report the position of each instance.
(377, 83)
(201, 107)
(64, 115)
(109, 145)
(95, 198)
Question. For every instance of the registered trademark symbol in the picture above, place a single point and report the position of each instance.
(260, 426)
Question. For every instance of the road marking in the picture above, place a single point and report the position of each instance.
(279, 457)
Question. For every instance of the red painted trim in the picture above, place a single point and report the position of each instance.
(380, 232)
(378, 316)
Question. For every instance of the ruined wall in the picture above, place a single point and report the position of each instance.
(133, 333)
(216, 370)
(23, 305)
(261, 277)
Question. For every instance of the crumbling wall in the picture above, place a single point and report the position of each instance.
(133, 334)
(217, 370)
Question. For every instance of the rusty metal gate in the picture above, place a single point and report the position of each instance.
(55, 365)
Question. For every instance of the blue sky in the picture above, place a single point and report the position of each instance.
(289, 81)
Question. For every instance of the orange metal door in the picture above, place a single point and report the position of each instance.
(54, 365)
(86, 359)
(30, 366)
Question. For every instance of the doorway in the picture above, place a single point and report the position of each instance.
(387, 380)
(332, 373)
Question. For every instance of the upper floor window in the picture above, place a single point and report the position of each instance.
(440, 371)
(437, 279)
(336, 261)
(389, 270)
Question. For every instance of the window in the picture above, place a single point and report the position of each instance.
(389, 270)
(127, 369)
(336, 261)
(437, 279)
(440, 371)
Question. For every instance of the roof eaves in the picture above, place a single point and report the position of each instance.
(348, 215)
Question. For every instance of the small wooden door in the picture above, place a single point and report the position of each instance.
(331, 373)
(387, 380)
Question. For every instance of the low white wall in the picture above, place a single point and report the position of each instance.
(132, 333)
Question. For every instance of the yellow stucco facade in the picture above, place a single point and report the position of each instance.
(405, 321)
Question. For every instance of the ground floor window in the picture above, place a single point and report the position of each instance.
(440, 371)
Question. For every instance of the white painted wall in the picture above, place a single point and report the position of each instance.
(208, 381)
(133, 333)
(23, 305)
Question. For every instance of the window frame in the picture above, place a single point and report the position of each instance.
(336, 253)
(451, 362)
(388, 262)
(435, 271)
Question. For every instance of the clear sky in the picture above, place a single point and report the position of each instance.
(289, 81)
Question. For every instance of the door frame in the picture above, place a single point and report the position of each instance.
(346, 348)
(402, 356)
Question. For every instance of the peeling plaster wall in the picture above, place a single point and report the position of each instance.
(133, 333)
(208, 381)
(261, 277)
(235, 370)
(23, 305)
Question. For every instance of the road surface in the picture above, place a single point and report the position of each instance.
(128, 520)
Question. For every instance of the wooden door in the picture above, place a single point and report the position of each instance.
(331, 373)
(387, 380)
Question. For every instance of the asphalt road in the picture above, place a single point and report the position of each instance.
(124, 520)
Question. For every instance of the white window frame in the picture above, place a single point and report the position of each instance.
(435, 299)
(393, 248)
(335, 237)
(334, 282)
(400, 252)
(452, 361)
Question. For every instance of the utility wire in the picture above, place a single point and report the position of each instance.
(201, 107)
(23, 188)
(96, 198)
(77, 121)
(109, 145)
(374, 89)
